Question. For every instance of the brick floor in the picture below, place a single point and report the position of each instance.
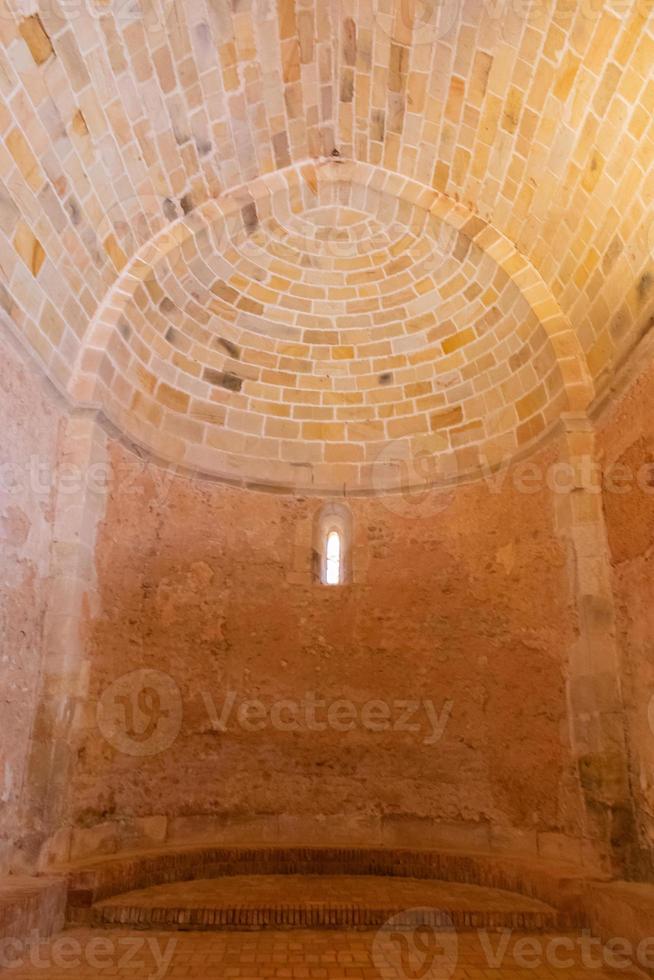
(83, 954)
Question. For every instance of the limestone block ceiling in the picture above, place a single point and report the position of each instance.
(292, 242)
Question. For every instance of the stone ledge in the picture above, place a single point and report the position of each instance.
(139, 834)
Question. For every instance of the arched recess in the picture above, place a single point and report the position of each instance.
(309, 329)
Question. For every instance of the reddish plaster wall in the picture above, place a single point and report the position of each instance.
(212, 585)
(29, 433)
(626, 441)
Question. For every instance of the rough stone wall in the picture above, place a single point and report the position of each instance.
(29, 436)
(463, 600)
(626, 441)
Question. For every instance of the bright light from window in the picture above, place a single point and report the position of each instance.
(333, 559)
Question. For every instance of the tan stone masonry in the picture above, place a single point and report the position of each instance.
(538, 121)
(322, 389)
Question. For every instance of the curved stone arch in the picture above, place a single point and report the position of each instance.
(564, 340)
(227, 212)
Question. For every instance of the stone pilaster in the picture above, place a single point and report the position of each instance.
(82, 481)
(597, 721)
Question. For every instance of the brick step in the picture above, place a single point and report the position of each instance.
(320, 902)
(94, 881)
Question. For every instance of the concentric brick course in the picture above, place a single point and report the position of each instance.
(291, 333)
(295, 323)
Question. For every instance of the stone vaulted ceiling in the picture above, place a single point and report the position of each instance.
(294, 242)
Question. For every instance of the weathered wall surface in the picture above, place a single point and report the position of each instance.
(626, 440)
(467, 606)
(29, 436)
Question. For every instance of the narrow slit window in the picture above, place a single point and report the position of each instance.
(333, 559)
